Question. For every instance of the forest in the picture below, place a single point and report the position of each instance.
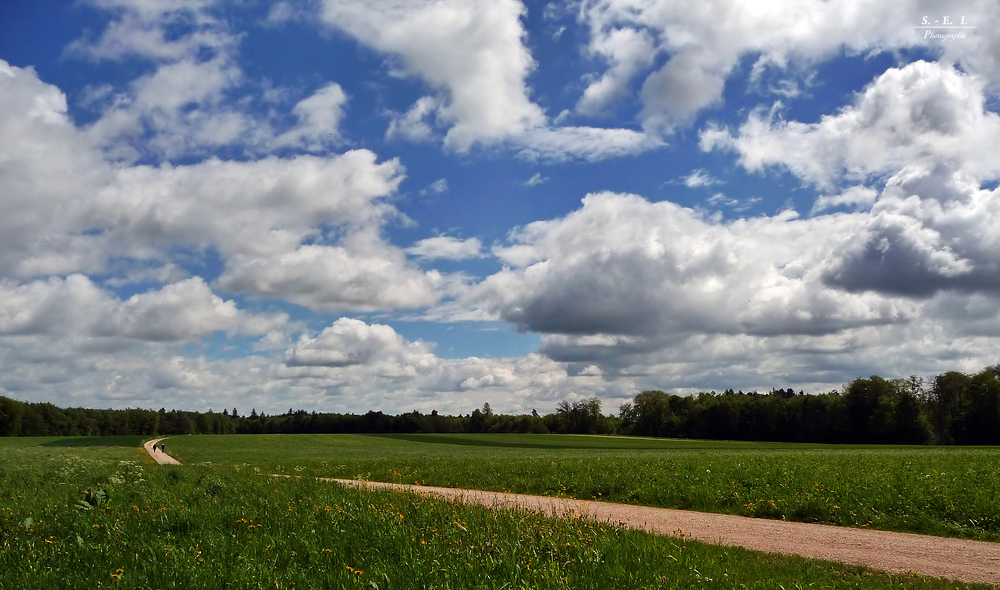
(950, 408)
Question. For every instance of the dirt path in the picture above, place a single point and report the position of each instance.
(955, 559)
(159, 456)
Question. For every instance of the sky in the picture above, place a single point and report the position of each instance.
(346, 205)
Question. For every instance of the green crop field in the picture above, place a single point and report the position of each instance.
(948, 491)
(97, 513)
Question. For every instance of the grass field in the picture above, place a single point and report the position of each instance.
(946, 491)
(76, 515)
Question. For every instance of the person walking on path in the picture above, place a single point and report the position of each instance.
(162, 457)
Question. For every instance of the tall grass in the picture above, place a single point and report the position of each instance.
(89, 517)
(948, 491)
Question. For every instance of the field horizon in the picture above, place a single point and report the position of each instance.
(98, 513)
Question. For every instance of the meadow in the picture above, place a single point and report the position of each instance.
(945, 491)
(97, 513)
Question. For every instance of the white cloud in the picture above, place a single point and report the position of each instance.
(141, 29)
(183, 106)
(305, 228)
(536, 180)
(721, 199)
(470, 52)
(319, 117)
(624, 266)
(628, 51)
(922, 114)
(437, 187)
(370, 365)
(663, 297)
(77, 309)
(928, 231)
(705, 41)
(557, 144)
(446, 247)
(332, 279)
(353, 342)
(411, 125)
(179, 107)
(926, 128)
(700, 178)
(855, 196)
(48, 169)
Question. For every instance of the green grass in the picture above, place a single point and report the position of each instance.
(948, 491)
(105, 517)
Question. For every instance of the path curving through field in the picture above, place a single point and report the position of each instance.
(159, 456)
(899, 553)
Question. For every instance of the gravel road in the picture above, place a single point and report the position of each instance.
(160, 457)
(955, 559)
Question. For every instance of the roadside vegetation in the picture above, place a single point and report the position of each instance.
(947, 491)
(74, 515)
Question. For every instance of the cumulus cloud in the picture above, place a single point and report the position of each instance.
(705, 42)
(353, 342)
(472, 54)
(924, 114)
(304, 228)
(372, 364)
(48, 168)
(929, 231)
(661, 296)
(75, 307)
(334, 278)
(179, 107)
(446, 247)
(411, 125)
(182, 105)
(628, 51)
(855, 196)
(319, 117)
(622, 266)
(923, 130)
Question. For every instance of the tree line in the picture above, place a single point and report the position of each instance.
(951, 408)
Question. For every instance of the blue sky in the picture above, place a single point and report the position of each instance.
(344, 205)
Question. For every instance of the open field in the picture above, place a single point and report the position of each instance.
(946, 491)
(76, 516)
